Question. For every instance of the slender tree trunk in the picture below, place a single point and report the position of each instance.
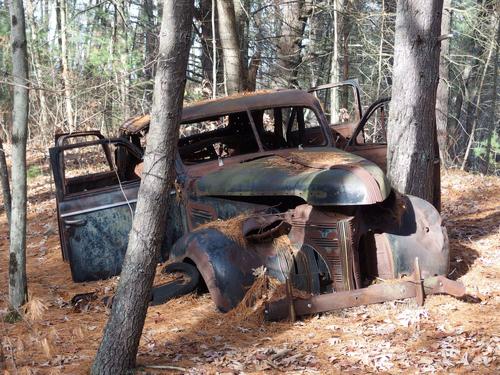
(118, 349)
(379, 66)
(121, 45)
(334, 66)
(493, 124)
(229, 39)
(43, 122)
(412, 119)
(443, 88)
(63, 45)
(18, 289)
(205, 19)
(495, 22)
(4, 181)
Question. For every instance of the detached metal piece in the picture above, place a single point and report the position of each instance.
(366, 296)
(419, 284)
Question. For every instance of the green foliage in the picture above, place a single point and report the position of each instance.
(12, 317)
(480, 150)
(34, 171)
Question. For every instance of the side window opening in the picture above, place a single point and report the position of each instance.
(375, 129)
(87, 168)
(339, 104)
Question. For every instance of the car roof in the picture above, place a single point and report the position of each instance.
(231, 104)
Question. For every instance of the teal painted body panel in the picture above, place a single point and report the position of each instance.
(322, 177)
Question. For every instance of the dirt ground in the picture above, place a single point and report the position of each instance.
(188, 335)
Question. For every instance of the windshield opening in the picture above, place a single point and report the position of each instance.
(288, 127)
(228, 135)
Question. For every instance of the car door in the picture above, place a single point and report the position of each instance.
(62, 139)
(95, 204)
(369, 138)
(341, 104)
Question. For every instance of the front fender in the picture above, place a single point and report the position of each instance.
(225, 265)
(419, 234)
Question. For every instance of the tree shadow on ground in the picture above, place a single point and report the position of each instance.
(463, 256)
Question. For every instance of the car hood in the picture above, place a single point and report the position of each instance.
(320, 176)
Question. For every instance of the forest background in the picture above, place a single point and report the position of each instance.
(92, 62)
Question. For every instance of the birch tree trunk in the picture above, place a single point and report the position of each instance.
(443, 87)
(412, 119)
(118, 349)
(18, 289)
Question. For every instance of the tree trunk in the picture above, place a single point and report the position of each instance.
(334, 66)
(121, 43)
(229, 39)
(4, 181)
(63, 45)
(43, 122)
(475, 114)
(150, 45)
(294, 16)
(18, 289)
(412, 119)
(493, 124)
(443, 88)
(118, 349)
(206, 39)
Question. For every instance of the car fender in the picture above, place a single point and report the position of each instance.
(419, 234)
(226, 265)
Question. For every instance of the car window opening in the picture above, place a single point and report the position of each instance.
(230, 135)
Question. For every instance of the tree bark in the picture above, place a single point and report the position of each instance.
(118, 349)
(18, 289)
(495, 24)
(493, 124)
(4, 181)
(294, 16)
(412, 119)
(229, 39)
(63, 45)
(443, 88)
(335, 66)
(43, 122)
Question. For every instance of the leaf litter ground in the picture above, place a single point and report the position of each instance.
(188, 335)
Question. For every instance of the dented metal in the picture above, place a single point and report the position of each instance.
(319, 218)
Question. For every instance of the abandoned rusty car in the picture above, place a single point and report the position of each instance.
(262, 180)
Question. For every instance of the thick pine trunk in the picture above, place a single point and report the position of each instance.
(118, 349)
(18, 289)
(411, 131)
(229, 39)
(294, 15)
(443, 88)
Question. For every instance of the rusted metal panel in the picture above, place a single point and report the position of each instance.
(232, 104)
(323, 177)
(366, 296)
(320, 219)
